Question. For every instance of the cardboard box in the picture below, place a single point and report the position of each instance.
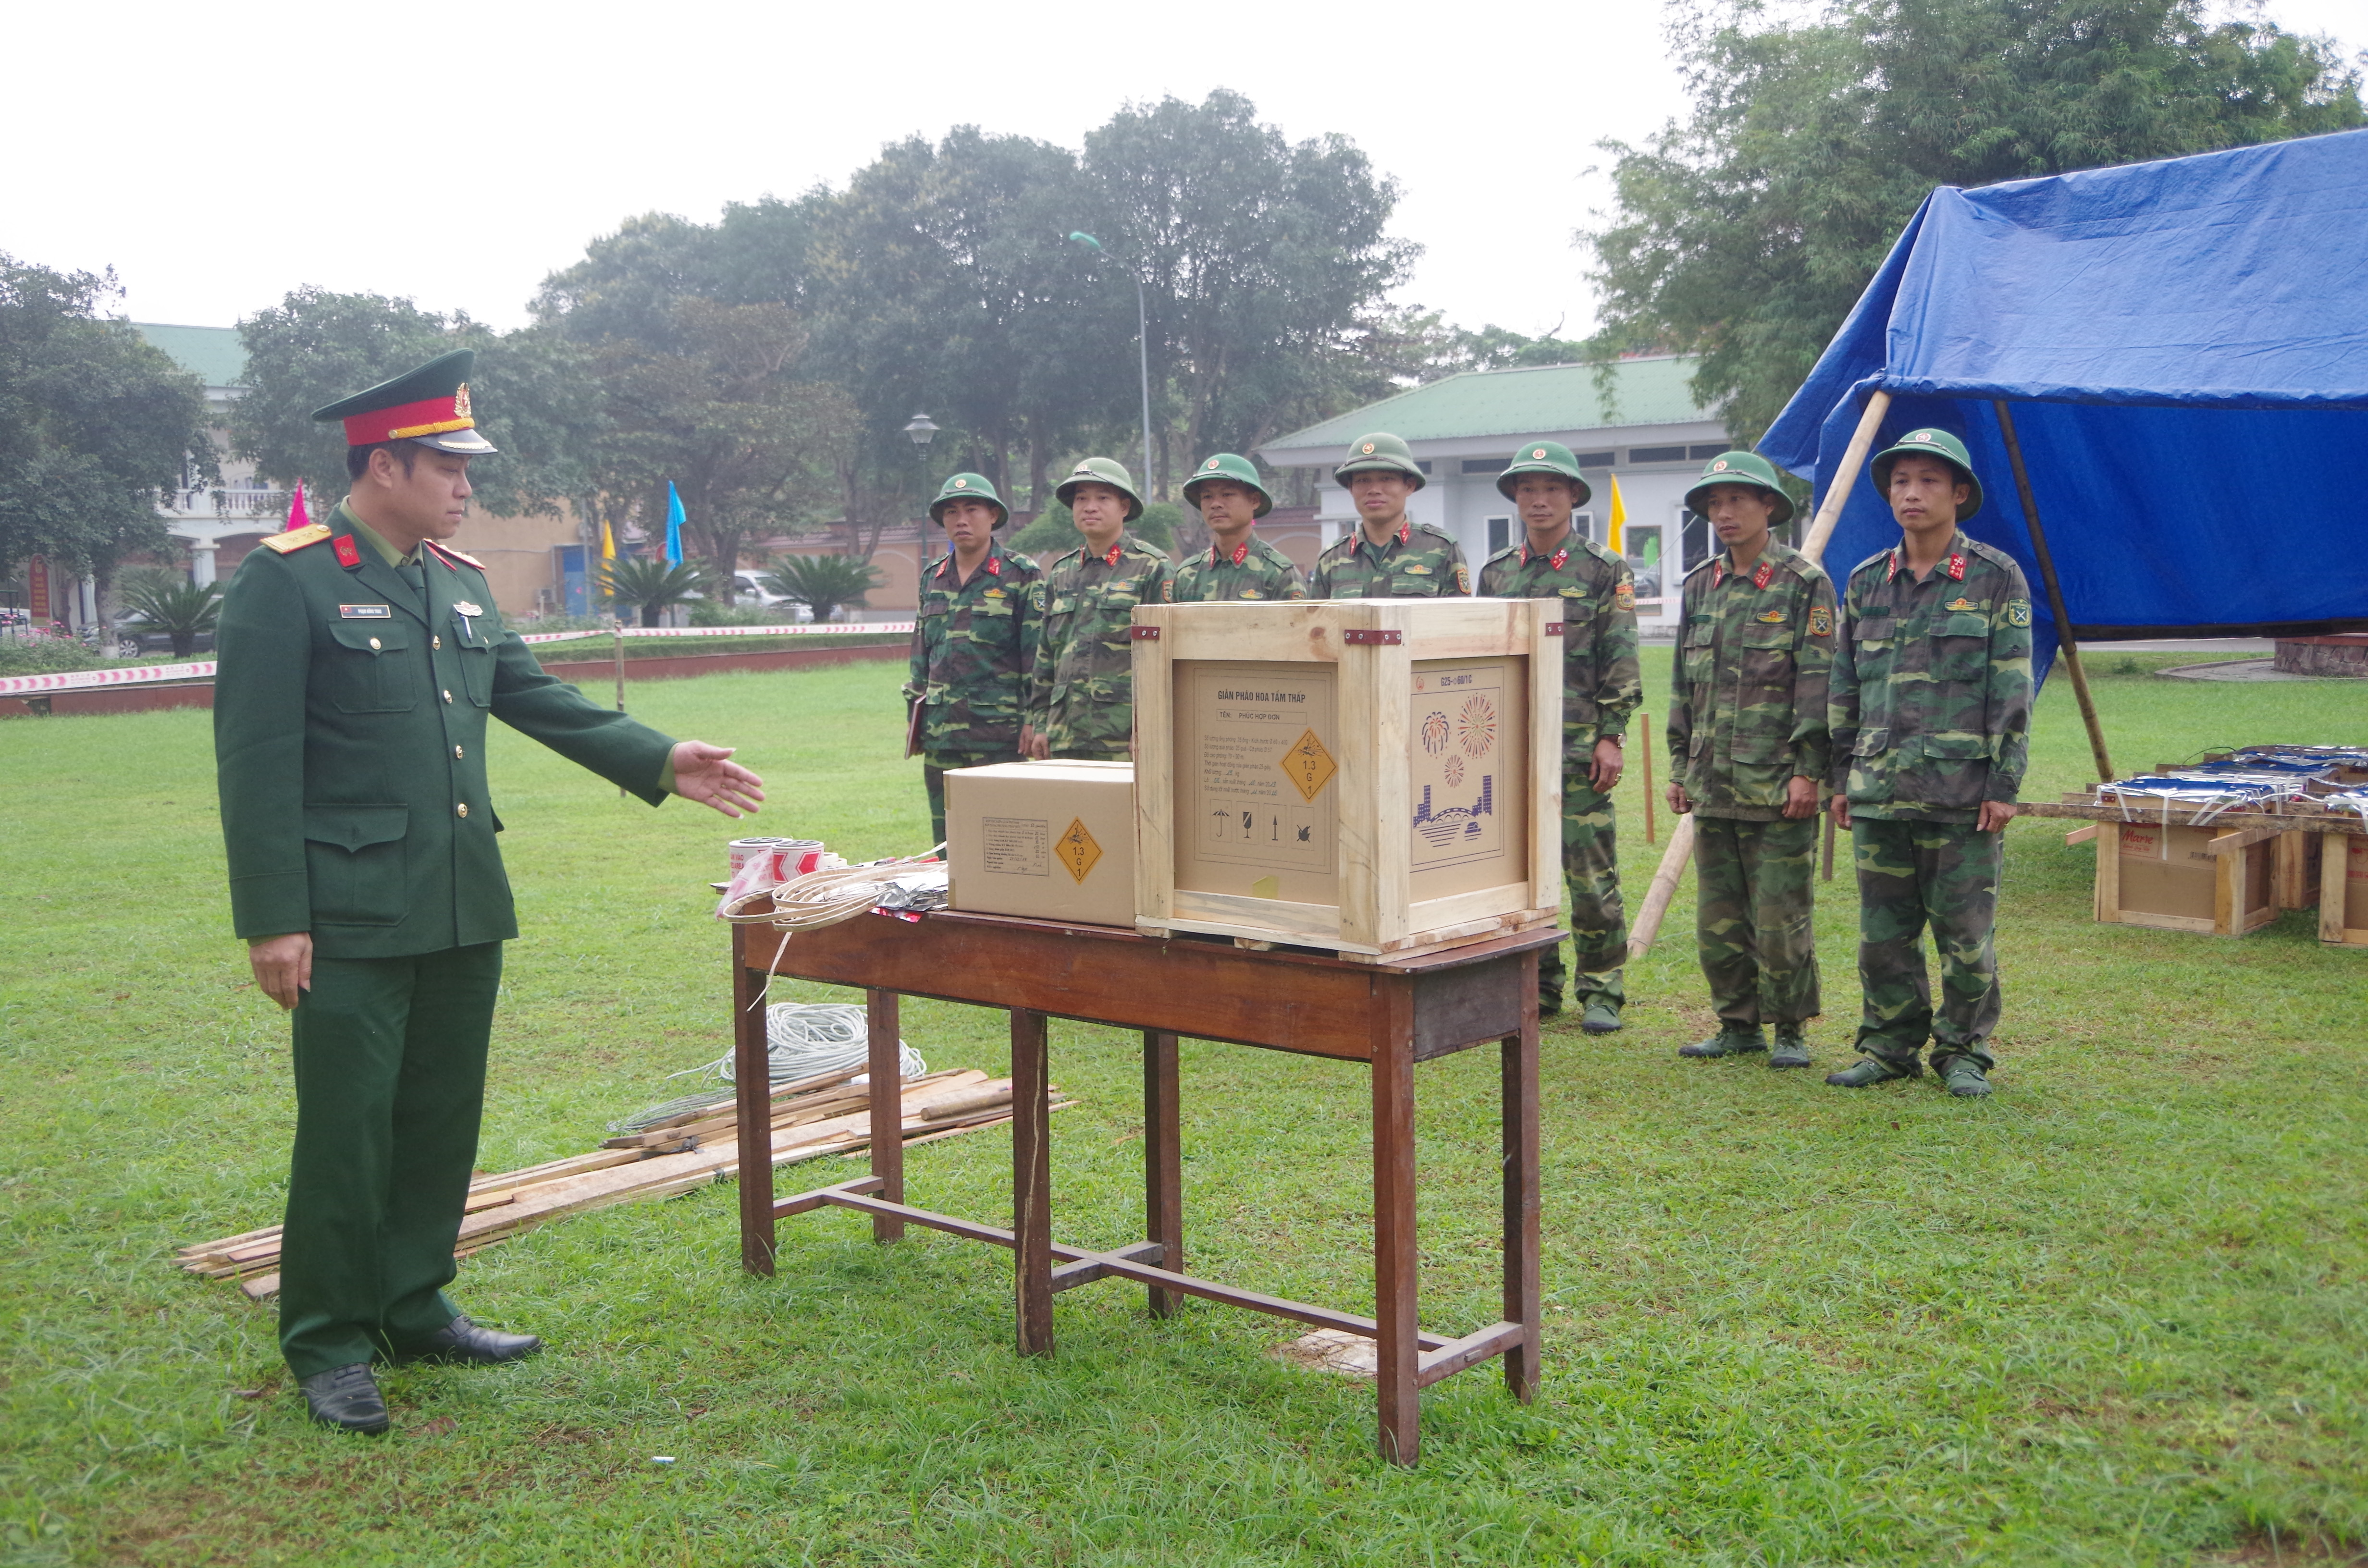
(1051, 840)
(1373, 777)
(2186, 879)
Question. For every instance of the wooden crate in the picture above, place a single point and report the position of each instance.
(2343, 889)
(1372, 777)
(2184, 879)
(2296, 879)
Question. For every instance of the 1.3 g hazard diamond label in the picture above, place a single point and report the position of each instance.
(1078, 850)
(1308, 765)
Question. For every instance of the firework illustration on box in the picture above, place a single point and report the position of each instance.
(1459, 715)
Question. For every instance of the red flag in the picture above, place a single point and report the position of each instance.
(296, 517)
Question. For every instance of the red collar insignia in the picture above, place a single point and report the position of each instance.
(1241, 552)
(1113, 555)
(1405, 530)
(1891, 566)
(1718, 572)
(995, 565)
(1956, 568)
(347, 556)
(1558, 557)
(1766, 574)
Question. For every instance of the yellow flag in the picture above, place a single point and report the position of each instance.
(1615, 538)
(608, 542)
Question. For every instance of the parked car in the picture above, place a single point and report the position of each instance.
(134, 638)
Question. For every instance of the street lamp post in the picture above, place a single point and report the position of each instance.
(1143, 342)
(918, 431)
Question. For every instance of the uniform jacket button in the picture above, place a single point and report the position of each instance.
(462, 808)
(448, 697)
(373, 644)
(436, 641)
(456, 751)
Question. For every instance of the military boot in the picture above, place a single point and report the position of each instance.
(1732, 1040)
(1964, 1078)
(1792, 1047)
(1871, 1070)
(1602, 1016)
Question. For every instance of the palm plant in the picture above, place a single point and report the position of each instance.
(822, 582)
(182, 611)
(650, 586)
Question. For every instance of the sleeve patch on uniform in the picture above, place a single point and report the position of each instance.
(1624, 595)
(1462, 579)
(1821, 621)
(2018, 612)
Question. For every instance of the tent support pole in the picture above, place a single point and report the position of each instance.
(2070, 650)
(1648, 927)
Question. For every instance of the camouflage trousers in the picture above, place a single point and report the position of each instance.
(1598, 923)
(1912, 874)
(1755, 900)
(933, 778)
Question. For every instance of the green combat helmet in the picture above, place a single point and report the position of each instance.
(1102, 471)
(1929, 443)
(968, 487)
(1226, 465)
(1380, 450)
(1550, 458)
(1740, 468)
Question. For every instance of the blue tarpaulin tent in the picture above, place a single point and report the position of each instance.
(2183, 351)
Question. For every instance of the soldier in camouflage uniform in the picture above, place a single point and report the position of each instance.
(1081, 695)
(1237, 563)
(1749, 757)
(1387, 555)
(1600, 688)
(973, 643)
(1931, 714)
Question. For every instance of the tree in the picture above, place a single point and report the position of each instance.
(650, 586)
(531, 391)
(181, 609)
(1745, 233)
(821, 582)
(93, 421)
(1264, 260)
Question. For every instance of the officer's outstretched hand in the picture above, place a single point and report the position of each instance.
(707, 774)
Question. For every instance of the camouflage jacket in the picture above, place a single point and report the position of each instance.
(1256, 571)
(1081, 694)
(1600, 681)
(1931, 703)
(1421, 563)
(1748, 707)
(974, 644)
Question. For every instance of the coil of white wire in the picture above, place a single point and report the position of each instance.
(803, 1039)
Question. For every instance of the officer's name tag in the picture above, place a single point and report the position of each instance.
(364, 612)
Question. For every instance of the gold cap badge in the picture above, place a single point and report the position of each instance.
(962, 484)
(1538, 455)
(1366, 449)
(1719, 467)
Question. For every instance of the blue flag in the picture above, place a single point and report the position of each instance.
(674, 525)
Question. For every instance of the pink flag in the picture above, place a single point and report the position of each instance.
(296, 517)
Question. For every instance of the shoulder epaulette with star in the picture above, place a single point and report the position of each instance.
(297, 538)
(1876, 560)
(1509, 553)
(1989, 552)
(449, 553)
(1699, 567)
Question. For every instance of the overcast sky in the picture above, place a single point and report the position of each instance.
(217, 156)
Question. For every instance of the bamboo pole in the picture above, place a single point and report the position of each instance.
(1647, 926)
(2064, 642)
(1645, 738)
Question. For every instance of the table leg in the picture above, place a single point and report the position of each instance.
(752, 1091)
(1395, 1257)
(886, 1066)
(1163, 1164)
(1519, 1064)
(1032, 1184)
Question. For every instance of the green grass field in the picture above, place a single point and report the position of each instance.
(2115, 1314)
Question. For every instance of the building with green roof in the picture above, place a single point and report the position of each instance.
(1636, 419)
(216, 523)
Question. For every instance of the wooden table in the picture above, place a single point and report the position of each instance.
(1389, 1016)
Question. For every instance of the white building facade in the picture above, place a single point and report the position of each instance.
(1634, 420)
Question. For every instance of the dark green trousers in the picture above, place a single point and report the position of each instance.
(1755, 900)
(390, 1084)
(1599, 922)
(1911, 875)
(933, 778)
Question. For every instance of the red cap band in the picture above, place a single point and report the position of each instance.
(431, 416)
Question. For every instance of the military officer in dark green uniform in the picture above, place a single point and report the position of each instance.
(1749, 757)
(1387, 555)
(359, 659)
(1081, 695)
(1237, 565)
(1931, 715)
(973, 643)
(1600, 688)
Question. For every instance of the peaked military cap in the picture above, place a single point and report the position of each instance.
(1549, 458)
(968, 487)
(1102, 471)
(1237, 470)
(430, 405)
(1932, 443)
(1381, 450)
(1740, 468)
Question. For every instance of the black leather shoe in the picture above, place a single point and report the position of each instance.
(463, 1341)
(346, 1398)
